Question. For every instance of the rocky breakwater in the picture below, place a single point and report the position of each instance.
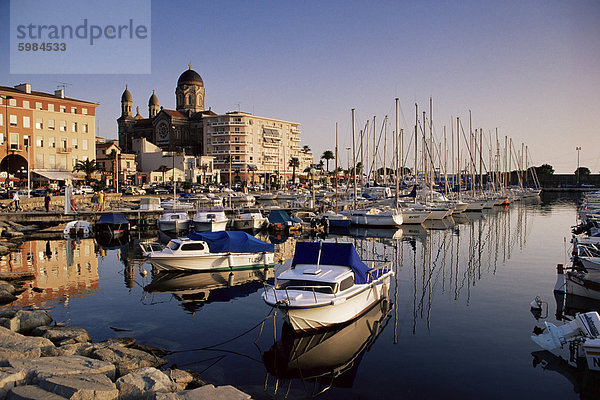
(39, 360)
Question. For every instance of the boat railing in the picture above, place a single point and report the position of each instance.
(313, 288)
(377, 272)
(151, 247)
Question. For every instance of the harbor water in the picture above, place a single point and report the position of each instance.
(457, 323)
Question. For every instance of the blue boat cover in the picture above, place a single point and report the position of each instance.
(232, 242)
(278, 217)
(342, 254)
(113, 219)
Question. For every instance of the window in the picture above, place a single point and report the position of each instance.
(13, 120)
(63, 109)
(63, 126)
(51, 124)
(51, 107)
(39, 141)
(39, 124)
(74, 143)
(14, 141)
(84, 128)
(25, 104)
(39, 161)
(12, 102)
(84, 144)
(52, 161)
(84, 111)
(1, 138)
(192, 247)
(63, 143)
(347, 283)
(26, 122)
(74, 127)
(1, 119)
(51, 142)
(74, 110)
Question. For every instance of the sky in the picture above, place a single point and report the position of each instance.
(530, 69)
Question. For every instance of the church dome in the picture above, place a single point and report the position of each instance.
(153, 100)
(126, 95)
(190, 77)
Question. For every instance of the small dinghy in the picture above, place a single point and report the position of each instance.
(74, 229)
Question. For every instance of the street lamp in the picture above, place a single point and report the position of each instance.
(312, 186)
(348, 157)
(578, 150)
(7, 98)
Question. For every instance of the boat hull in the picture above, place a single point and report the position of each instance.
(337, 311)
(249, 224)
(364, 219)
(210, 226)
(211, 261)
(173, 226)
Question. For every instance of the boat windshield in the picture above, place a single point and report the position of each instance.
(173, 245)
(300, 284)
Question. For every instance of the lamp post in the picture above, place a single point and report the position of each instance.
(578, 150)
(7, 98)
(312, 187)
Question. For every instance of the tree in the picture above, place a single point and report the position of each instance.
(327, 155)
(305, 149)
(88, 167)
(544, 169)
(252, 168)
(294, 163)
(163, 168)
(582, 171)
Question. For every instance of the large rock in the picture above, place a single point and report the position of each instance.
(180, 378)
(144, 383)
(62, 335)
(6, 297)
(30, 392)
(24, 321)
(81, 349)
(81, 387)
(46, 367)
(9, 378)
(14, 346)
(9, 287)
(126, 359)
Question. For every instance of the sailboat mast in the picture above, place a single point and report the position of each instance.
(416, 150)
(354, 154)
(385, 123)
(458, 155)
(397, 152)
(336, 167)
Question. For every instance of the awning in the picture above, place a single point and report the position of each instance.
(56, 175)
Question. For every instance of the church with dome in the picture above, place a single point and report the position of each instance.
(169, 129)
(245, 147)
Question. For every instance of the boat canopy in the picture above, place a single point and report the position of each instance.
(279, 217)
(113, 219)
(232, 242)
(343, 254)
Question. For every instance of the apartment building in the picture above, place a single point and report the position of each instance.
(48, 133)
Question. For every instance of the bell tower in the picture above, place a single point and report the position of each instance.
(189, 93)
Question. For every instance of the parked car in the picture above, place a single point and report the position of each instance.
(85, 189)
(134, 190)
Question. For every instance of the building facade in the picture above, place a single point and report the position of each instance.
(244, 147)
(47, 133)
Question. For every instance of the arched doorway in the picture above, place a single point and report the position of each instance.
(15, 165)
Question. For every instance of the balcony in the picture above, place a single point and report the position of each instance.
(295, 139)
(271, 145)
(63, 150)
(228, 133)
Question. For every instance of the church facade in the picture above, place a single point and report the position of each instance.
(246, 148)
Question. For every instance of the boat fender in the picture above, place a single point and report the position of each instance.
(230, 260)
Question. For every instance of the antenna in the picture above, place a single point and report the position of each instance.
(63, 85)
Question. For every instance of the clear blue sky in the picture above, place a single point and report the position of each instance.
(529, 68)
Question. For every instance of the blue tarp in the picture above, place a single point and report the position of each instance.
(232, 242)
(112, 219)
(332, 254)
(279, 217)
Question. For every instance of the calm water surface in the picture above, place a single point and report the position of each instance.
(457, 324)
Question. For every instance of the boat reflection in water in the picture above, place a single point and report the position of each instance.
(327, 357)
(194, 289)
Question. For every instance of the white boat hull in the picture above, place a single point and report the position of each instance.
(249, 224)
(211, 262)
(579, 284)
(414, 216)
(173, 226)
(376, 219)
(210, 226)
(336, 311)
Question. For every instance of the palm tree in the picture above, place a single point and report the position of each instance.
(305, 149)
(294, 163)
(88, 167)
(252, 168)
(327, 155)
(163, 168)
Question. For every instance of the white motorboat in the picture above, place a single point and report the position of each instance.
(75, 229)
(374, 217)
(249, 221)
(214, 251)
(579, 283)
(336, 220)
(210, 221)
(327, 285)
(177, 221)
(414, 216)
(583, 330)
